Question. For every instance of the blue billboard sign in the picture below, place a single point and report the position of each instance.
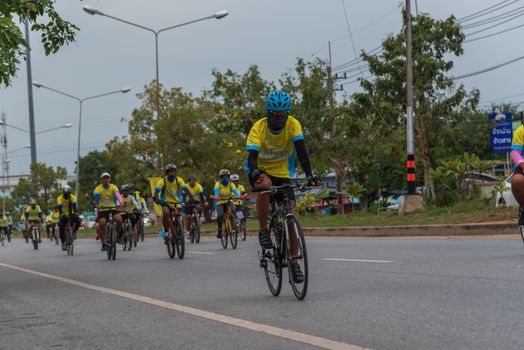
(502, 133)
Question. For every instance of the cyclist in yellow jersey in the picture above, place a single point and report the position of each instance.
(199, 200)
(107, 199)
(168, 194)
(239, 204)
(33, 215)
(224, 190)
(10, 226)
(4, 226)
(273, 144)
(51, 221)
(67, 210)
(129, 209)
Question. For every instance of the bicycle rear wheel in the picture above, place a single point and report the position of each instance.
(181, 242)
(223, 238)
(273, 263)
(129, 237)
(2, 237)
(299, 257)
(521, 229)
(234, 231)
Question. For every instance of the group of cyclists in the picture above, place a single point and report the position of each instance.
(273, 144)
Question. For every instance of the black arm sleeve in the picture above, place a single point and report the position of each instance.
(303, 157)
(252, 165)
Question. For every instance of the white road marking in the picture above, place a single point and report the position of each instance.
(360, 260)
(192, 252)
(304, 338)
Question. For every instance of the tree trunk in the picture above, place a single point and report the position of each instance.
(340, 178)
(423, 147)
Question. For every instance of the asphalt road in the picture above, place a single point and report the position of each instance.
(381, 294)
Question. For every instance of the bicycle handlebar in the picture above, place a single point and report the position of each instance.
(276, 189)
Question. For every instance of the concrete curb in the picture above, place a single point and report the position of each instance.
(479, 229)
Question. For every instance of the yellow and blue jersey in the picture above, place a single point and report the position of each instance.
(171, 191)
(276, 153)
(224, 192)
(106, 198)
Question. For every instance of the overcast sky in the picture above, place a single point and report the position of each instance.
(108, 55)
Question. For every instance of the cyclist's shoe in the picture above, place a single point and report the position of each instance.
(63, 246)
(521, 217)
(40, 240)
(298, 276)
(166, 240)
(104, 247)
(219, 234)
(97, 237)
(8, 239)
(264, 239)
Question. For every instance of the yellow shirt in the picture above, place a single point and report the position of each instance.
(63, 203)
(171, 192)
(195, 190)
(33, 214)
(241, 190)
(129, 204)
(106, 197)
(276, 152)
(224, 192)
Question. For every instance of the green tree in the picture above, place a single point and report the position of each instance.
(43, 18)
(46, 179)
(438, 101)
(23, 192)
(92, 165)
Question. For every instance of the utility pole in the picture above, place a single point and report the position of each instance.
(4, 163)
(32, 134)
(411, 202)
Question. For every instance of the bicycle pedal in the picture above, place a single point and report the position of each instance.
(263, 264)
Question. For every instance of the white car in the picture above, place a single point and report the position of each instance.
(506, 199)
(147, 221)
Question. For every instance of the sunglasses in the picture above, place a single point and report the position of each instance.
(278, 113)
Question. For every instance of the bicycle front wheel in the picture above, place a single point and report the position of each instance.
(234, 232)
(273, 263)
(112, 235)
(69, 242)
(181, 242)
(297, 254)
(242, 229)
(197, 229)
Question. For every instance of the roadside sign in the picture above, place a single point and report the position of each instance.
(502, 133)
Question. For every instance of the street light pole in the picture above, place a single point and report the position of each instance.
(409, 103)
(81, 103)
(93, 11)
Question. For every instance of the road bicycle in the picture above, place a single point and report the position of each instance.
(194, 222)
(140, 227)
(241, 216)
(111, 237)
(289, 244)
(128, 236)
(69, 236)
(230, 224)
(174, 240)
(35, 235)
(3, 235)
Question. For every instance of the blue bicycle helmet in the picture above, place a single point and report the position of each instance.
(278, 101)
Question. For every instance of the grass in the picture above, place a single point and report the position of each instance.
(463, 213)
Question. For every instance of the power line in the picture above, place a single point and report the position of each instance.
(497, 18)
(354, 61)
(494, 34)
(495, 25)
(488, 69)
(486, 11)
(349, 32)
